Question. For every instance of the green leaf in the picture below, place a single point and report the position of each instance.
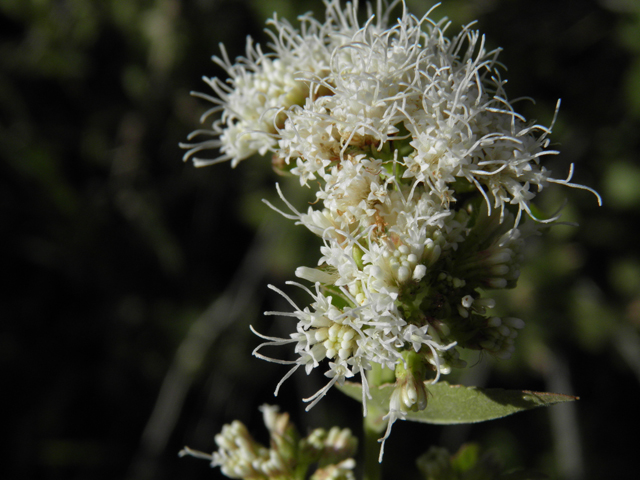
(455, 404)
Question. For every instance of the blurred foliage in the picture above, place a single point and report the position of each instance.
(114, 248)
(468, 463)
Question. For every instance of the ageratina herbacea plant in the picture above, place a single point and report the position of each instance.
(424, 177)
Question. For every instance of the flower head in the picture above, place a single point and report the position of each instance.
(425, 175)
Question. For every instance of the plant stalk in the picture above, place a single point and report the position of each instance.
(373, 425)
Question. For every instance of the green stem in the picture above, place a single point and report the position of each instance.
(378, 376)
(372, 470)
(373, 425)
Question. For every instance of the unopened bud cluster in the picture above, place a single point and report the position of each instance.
(423, 174)
(289, 456)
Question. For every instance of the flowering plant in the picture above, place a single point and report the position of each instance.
(424, 176)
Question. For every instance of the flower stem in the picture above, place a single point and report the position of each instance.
(373, 425)
(372, 469)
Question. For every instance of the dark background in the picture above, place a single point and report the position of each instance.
(131, 278)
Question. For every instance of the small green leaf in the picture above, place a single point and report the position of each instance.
(523, 475)
(455, 404)
(466, 458)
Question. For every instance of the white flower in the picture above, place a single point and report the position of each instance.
(334, 87)
(240, 456)
(259, 88)
(422, 170)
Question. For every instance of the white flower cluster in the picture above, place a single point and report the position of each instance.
(422, 169)
(289, 456)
